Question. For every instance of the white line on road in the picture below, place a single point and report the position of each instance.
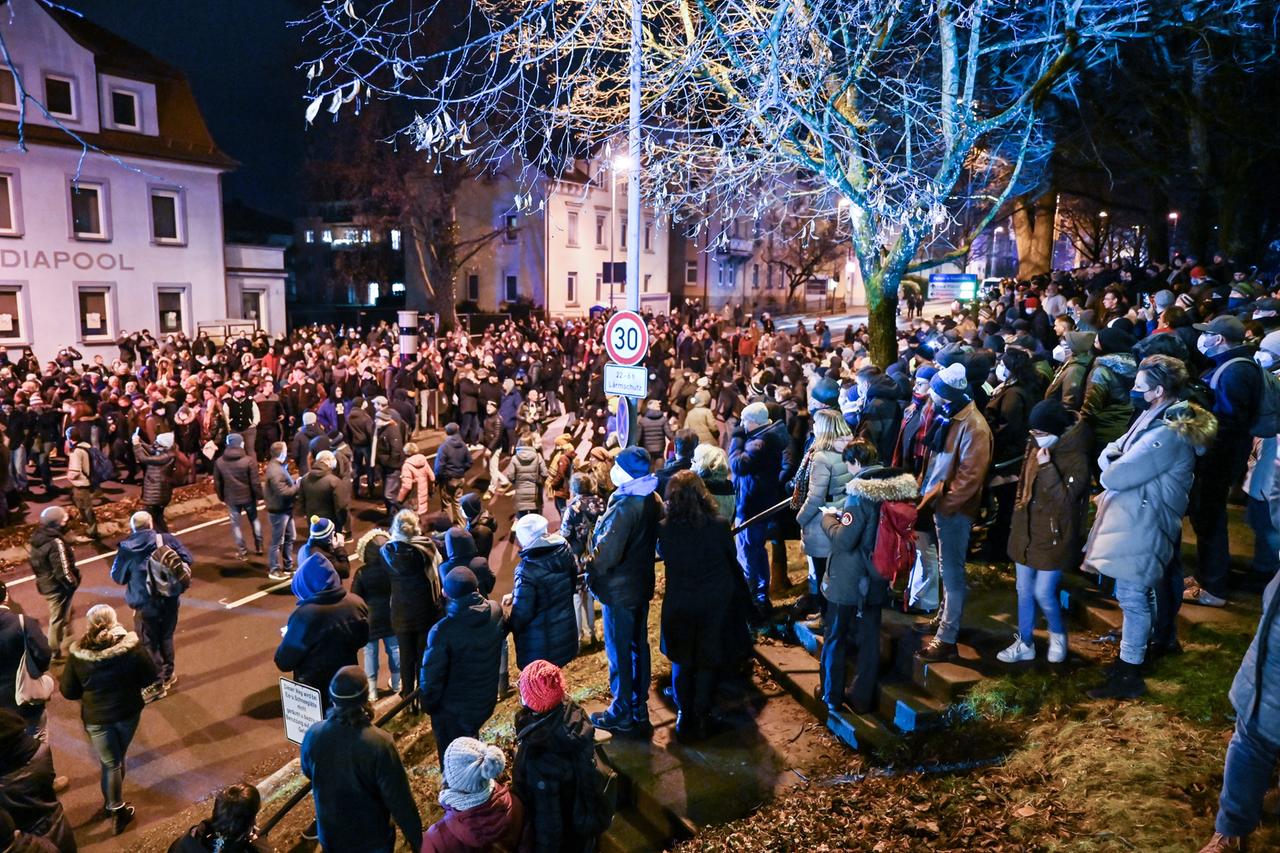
(231, 605)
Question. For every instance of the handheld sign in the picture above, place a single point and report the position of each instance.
(621, 381)
(302, 708)
(626, 338)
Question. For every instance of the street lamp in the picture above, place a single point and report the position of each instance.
(1173, 233)
(621, 162)
(1105, 236)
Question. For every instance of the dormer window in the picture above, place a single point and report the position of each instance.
(59, 96)
(124, 110)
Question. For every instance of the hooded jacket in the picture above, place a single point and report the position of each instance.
(52, 561)
(326, 629)
(496, 824)
(1052, 503)
(542, 617)
(459, 670)
(555, 753)
(459, 548)
(880, 415)
(235, 478)
(1146, 483)
(851, 578)
(1069, 382)
(700, 419)
(372, 582)
(129, 568)
(623, 545)
(527, 471)
(108, 682)
(1106, 407)
(416, 479)
(453, 459)
(756, 459)
(157, 473)
(828, 476)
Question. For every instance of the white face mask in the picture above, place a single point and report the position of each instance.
(1046, 440)
(1264, 358)
(1002, 372)
(1207, 343)
(1061, 353)
(618, 476)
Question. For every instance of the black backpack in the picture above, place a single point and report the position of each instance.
(595, 798)
(168, 575)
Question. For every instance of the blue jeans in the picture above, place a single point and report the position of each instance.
(1250, 766)
(250, 510)
(111, 742)
(626, 645)
(953, 548)
(392, 645)
(845, 626)
(754, 559)
(283, 534)
(1137, 604)
(18, 467)
(1266, 539)
(1038, 586)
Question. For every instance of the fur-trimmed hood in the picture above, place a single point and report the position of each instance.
(121, 647)
(883, 484)
(376, 536)
(1195, 425)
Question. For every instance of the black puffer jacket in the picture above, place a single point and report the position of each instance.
(416, 599)
(157, 473)
(26, 791)
(235, 478)
(542, 618)
(108, 682)
(52, 561)
(555, 753)
(373, 583)
(459, 675)
(654, 432)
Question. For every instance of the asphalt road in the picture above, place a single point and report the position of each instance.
(222, 723)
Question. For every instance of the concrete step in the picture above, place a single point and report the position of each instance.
(909, 708)
(629, 833)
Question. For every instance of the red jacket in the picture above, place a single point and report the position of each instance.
(495, 827)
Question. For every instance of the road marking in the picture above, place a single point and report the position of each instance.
(262, 593)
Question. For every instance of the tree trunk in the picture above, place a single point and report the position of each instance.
(882, 326)
(1033, 229)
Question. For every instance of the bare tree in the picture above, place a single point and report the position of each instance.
(802, 248)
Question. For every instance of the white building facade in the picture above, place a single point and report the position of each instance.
(129, 235)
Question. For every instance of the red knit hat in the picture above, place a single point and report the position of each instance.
(541, 686)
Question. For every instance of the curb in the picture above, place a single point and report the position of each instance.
(270, 786)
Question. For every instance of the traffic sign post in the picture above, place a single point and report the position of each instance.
(626, 338)
(622, 381)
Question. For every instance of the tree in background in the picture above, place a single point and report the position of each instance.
(802, 248)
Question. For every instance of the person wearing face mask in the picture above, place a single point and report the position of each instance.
(1235, 381)
(1107, 407)
(957, 456)
(1048, 522)
(1261, 483)
(1075, 355)
(1146, 477)
(1041, 326)
(1007, 413)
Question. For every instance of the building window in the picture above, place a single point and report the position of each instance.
(327, 235)
(8, 206)
(94, 302)
(571, 228)
(690, 272)
(599, 286)
(622, 238)
(645, 287)
(88, 211)
(374, 292)
(511, 225)
(397, 288)
(171, 308)
(511, 290)
(366, 236)
(11, 325)
(395, 239)
(473, 287)
(251, 306)
(166, 216)
(8, 89)
(59, 96)
(600, 231)
(309, 236)
(755, 276)
(648, 237)
(571, 288)
(124, 109)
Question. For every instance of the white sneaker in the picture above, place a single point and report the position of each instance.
(1017, 652)
(373, 694)
(279, 576)
(1196, 594)
(1057, 647)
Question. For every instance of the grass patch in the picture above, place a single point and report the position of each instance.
(1196, 683)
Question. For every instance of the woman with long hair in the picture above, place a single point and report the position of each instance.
(704, 624)
(416, 596)
(231, 829)
(820, 483)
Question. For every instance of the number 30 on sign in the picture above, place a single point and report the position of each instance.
(626, 338)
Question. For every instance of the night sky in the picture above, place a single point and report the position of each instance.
(240, 57)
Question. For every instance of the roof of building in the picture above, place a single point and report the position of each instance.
(183, 134)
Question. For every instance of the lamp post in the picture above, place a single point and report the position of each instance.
(1173, 233)
(1104, 236)
(619, 162)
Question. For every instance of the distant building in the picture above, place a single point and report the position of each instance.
(126, 237)
(343, 258)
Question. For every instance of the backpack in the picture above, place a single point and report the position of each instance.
(595, 798)
(168, 575)
(101, 468)
(1267, 422)
(895, 549)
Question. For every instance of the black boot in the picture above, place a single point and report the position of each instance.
(1123, 682)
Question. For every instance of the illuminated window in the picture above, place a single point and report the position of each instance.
(327, 236)
(310, 236)
(395, 239)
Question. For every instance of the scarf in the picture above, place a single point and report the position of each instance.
(935, 437)
(461, 801)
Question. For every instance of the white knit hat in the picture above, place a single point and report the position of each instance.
(470, 766)
(530, 529)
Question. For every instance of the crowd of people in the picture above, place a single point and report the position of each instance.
(1067, 423)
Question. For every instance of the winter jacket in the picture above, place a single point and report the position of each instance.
(281, 488)
(482, 529)
(80, 466)
(235, 478)
(495, 825)
(26, 793)
(359, 426)
(527, 471)
(828, 476)
(336, 557)
(851, 578)
(201, 838)
(16, 634)
(1107, 408)
(1007, 412)
(542, 618)
(372, 583)
(624, 543)
(157, 473)
(1255, 691)
(108, 682)
(1236, 393)
(756, 460)
(1050, 510)
(654, 431)
(880, 415)
(578, 522)
(326, 629)
(52, 561)
(459, 674)
(555, 753)
(1146, 478)
(509, 408)
(416, 599)
(359, 788)
(673, 466)
(453, 459)
(561, 471)
(319, 494)
(468, 396)
(1069, 382)
(130, 567)
(389, 450)
(416, 479)
(704, 610)
(300, 446)
(954, 476)
(1261, 481)
(459, 549)
(703, 422)
(722, 493)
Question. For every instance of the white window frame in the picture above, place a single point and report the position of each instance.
(510, 227)
(24, 313)
(183, 289)
(112, 326)
(104, 209)
(15, 203)
(179, 215)
(602, 230)
(112, 91)
(571, 288)
(16, 95)
(648, 236)
(690, 272)
(572, 222)
(74, 115)
(264, 305)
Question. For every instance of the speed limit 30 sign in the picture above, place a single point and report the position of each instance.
(626, 338)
